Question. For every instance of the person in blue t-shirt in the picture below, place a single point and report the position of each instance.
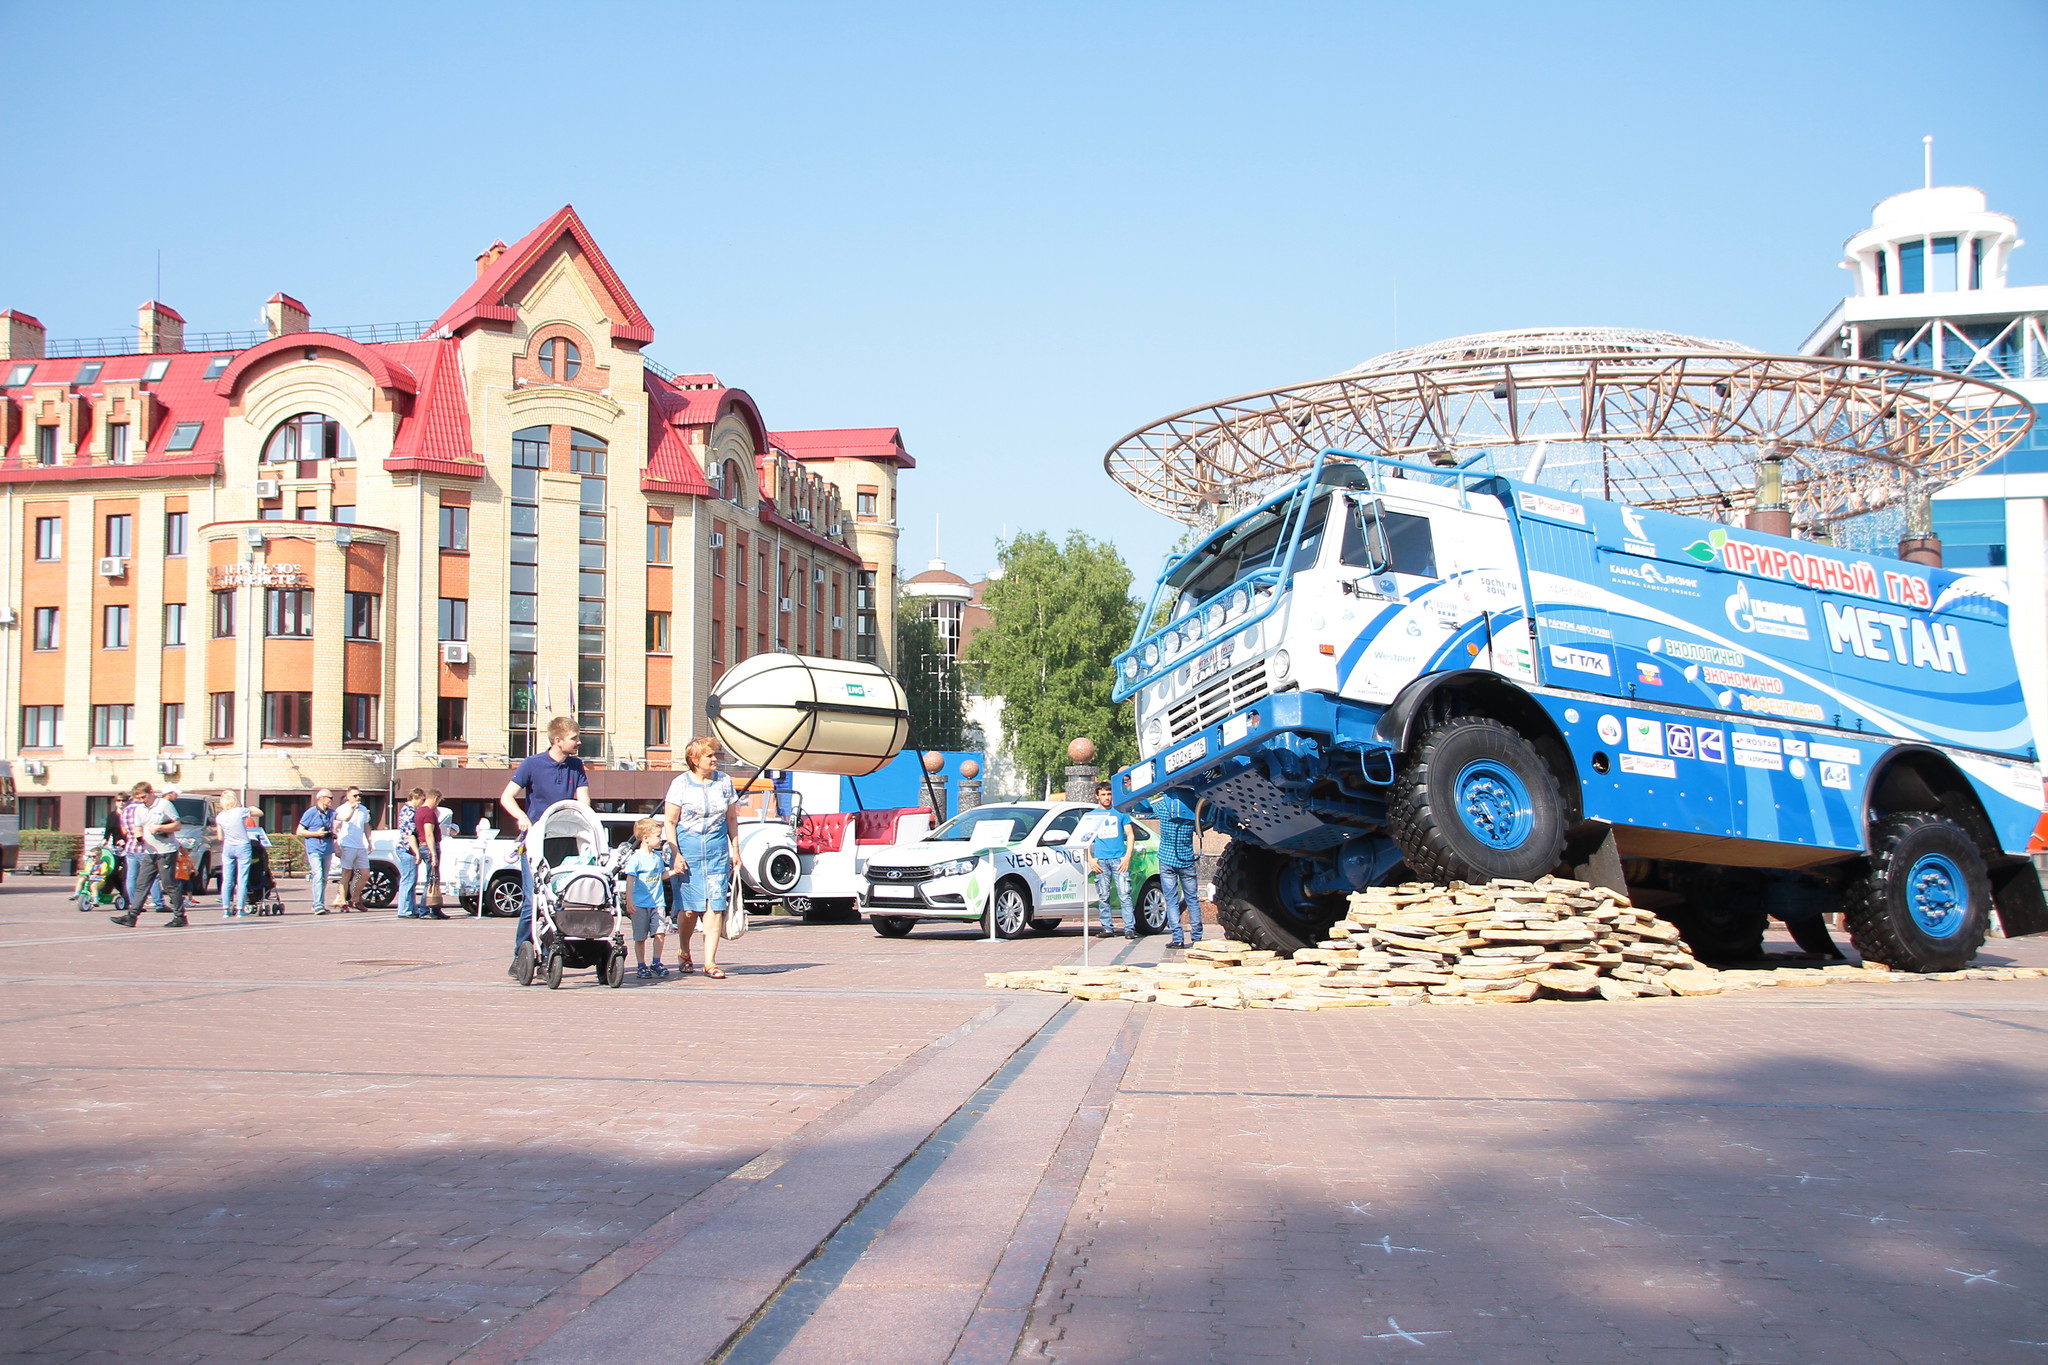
(1106, 836)
(649, 867)
(540, 781)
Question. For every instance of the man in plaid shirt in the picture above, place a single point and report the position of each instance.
(133, 849)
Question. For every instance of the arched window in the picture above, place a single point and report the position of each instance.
(308, 436)
(734, 487)
(562, 352)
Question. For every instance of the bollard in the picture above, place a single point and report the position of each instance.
(1081, 772)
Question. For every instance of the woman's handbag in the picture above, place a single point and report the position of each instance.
(433, 886)
(735, 907)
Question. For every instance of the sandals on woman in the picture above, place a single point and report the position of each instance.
(714, 973)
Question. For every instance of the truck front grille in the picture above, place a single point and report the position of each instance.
(1222, 696)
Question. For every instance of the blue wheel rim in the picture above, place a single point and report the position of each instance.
(1937, 896)
(1493, 804)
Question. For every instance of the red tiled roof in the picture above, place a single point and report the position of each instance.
(434, 436)
(166, 309)
(671, 466)
(486, 298)
(834, 443)
(281, 297)
(183, 395)
(20, 316)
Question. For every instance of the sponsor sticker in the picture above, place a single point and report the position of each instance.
(1758, 744)
(1555, 508)
(1649, 675)
(1780, 706)
(1678, 739)
(1795, 748)
(1610, 729)
(1703, 654)
(1237, 727)
(1797, 767)
(1581, 660)
(1574, 627)
(1642, 766)
(1835, 775)
(1713, 745)
(1765, 617)
(1645, 736)
(1833, 753)
(1186, 754)
(1758, 751)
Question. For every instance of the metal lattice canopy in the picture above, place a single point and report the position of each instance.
(1650, 418)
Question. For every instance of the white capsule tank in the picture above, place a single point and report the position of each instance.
(814, 715)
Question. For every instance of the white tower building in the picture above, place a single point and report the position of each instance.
(1930, 291)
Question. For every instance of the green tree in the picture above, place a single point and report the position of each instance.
(1058, 616)
(932, 689)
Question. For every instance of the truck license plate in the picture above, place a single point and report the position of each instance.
(1186, 754)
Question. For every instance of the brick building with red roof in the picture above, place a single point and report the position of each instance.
(365, 556)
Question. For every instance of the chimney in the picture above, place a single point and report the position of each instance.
(285, 314)
(162, 328)
(21, 338)
(489, 258)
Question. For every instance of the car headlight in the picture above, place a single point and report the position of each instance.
(958, 867)
(1131, 666)
(1283, 664)
(1155, 734)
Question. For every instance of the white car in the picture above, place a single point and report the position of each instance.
(1005, 865)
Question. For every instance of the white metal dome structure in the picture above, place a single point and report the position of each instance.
(1651, 418)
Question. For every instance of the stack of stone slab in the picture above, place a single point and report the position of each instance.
(1504, 943)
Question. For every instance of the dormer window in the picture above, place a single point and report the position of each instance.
(89, 372)
(217, 366)
(184, 436)
(157, 370)
(19, 375)
(560, 359)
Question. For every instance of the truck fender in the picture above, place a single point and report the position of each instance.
(1476, 691)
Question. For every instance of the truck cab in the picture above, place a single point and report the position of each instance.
(1392, 671)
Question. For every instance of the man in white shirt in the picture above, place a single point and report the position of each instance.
(160, 825)
(352, 847)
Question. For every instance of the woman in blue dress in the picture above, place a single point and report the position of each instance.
(700, 817)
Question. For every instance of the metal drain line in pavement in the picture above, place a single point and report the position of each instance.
(778, 1320)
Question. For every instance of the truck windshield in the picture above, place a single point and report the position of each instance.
(1251, 545)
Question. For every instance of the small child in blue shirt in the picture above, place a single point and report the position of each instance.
(648, 867)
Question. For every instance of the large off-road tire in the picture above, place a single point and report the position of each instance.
(1150, 915)
(892, 926)
(1259, 900)
(1009, 911)
(1924, 905)
(1476, 801)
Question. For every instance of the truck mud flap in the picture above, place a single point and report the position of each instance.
(2016, 891)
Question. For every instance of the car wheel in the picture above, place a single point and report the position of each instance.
(892, 926)
(502, 898)
(380, 886)
(1010, 912)
(1152, 909)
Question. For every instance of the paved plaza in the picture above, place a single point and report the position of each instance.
(351, 1139)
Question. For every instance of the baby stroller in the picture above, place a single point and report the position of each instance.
(101, 883)
(261, 896)
(576, 918)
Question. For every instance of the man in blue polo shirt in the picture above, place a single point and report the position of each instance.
(540, 781)
(1105, 834)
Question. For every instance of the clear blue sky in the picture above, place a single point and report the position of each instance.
(1015, 231)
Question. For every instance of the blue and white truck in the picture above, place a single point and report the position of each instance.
(1395, 671)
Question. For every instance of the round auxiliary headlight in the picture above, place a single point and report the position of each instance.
(1155, 735)
(1131, 666)
(1191, 630)
(1216, 616)
(1283, 664)
(1240, 602)
(1152, 655)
